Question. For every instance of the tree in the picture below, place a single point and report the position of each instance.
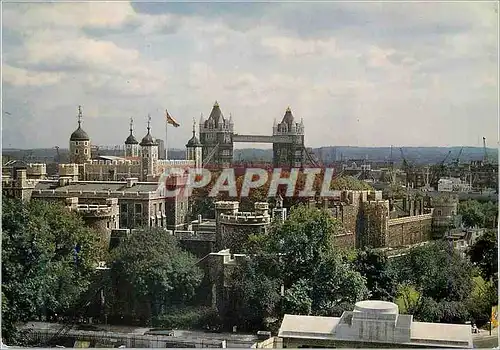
(441, 280)
(48, 261)
(380, 278)
(256, 288)
(304, 243)
(484, 254)
(158, 272)
(472, 213)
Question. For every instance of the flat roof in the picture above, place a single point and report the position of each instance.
(441, 332)
(422, 333)
(97, 186)
(307, 326)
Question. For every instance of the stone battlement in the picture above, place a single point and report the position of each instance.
(36, 169)
(227, 205)
(245, 218)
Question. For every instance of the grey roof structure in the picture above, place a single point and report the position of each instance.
(193, 141)
(216, 116)
(131, 140)
(288, 118)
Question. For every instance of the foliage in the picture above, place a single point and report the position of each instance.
(305, 245)
(437, 271)
(482, 298)
(160, 274)
(380, 278)
(42, 274)
(186, 318)
(297, 300)
(407, 298)
(477, 214)
(484, 254)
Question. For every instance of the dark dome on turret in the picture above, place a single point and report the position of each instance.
(131, 140)
(194, 142)
(148, 140)
(79, 135)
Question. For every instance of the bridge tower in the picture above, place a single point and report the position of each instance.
(216, 136)
(290, 154)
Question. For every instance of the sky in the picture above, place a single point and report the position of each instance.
(359, 74)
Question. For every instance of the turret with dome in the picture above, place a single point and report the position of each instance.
(79, 143)
(194, 148)
(149, 152)
(131, 143)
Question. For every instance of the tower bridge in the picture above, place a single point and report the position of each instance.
(217, 137)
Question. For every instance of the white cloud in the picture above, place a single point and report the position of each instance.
(361, 74)
(22, 77)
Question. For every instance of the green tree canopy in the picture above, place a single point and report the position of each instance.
(48, 261)
(374, 266)
(159, 274)
(484, 254)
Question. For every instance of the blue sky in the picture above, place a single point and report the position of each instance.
(360, 74)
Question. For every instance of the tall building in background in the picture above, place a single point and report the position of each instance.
(162, 152)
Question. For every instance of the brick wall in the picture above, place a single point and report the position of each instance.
(408, 230)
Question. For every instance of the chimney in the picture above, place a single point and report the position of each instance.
(131, 181)
(199, 219)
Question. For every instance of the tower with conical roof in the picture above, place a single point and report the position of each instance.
(149, 154)
(194, 149)
(292, 152)
(79, 143)
(131, 143)
(216, 136)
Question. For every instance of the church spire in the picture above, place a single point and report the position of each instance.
(131, 125)
(149, 123)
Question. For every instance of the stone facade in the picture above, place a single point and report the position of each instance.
(289, 154)
(234, 227)
(101, 217)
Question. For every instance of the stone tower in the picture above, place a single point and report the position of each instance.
(289, 154)
(131, 144)
(216, 136)
(194, 149)
(149, 154)
(79, 143)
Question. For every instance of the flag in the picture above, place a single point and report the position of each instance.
(171, 120)
(494, 316)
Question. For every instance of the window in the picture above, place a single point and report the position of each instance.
(154, 209)
(138, 208)
(160, 209)
(76, 151)
(85, 151)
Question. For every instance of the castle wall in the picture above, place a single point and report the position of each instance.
(408, 230)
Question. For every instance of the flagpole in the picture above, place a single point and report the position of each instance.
(166, 136)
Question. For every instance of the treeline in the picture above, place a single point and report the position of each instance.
(49, 260)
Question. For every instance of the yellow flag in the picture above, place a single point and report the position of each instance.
(494, 316)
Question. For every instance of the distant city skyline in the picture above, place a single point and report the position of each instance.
(359, 74)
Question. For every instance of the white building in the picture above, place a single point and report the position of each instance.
(453, 184)
(372, 323)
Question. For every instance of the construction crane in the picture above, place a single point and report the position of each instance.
(58, 156)
(485, 155)
(456, 162)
